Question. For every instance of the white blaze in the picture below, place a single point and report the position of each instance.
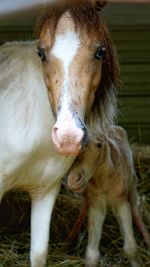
(65, 49)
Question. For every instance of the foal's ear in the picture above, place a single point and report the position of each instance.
(100, 4)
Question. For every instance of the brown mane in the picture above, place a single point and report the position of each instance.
(88, 19)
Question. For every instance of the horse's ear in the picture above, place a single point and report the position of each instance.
(100, 4)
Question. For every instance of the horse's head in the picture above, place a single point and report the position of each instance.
(72, 44)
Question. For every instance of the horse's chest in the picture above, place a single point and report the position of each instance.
(43, 174)
(48, 168)
(37, 170)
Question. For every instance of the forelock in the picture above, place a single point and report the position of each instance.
(86, 18)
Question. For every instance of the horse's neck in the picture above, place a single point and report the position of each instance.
(19, 63)
(21, 76)
(105, 163)
(24, 103)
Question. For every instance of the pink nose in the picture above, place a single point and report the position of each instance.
(67, 140)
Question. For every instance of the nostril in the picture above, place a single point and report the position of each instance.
(54, 129)
(55, 136)
(76, 183)
(85, 138)
(75, 180)
(79, 178)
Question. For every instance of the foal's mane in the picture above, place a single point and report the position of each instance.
(88, 19)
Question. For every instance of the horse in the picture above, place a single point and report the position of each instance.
(104, 173)
(50, 90)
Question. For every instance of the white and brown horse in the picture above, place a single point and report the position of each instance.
(44, 106)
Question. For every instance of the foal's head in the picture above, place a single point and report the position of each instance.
(86, 164)
(74, 46)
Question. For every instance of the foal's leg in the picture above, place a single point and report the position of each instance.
(133, 199)
(122, 212)
(96, 217)
(42, 207)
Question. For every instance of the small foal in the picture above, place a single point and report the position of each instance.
(105, 173)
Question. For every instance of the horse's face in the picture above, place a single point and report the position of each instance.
(85, 166)
(72, 72)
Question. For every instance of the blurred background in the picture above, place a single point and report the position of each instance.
(130, 29)
(129, 24)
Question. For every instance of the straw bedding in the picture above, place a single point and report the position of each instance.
(15, 226)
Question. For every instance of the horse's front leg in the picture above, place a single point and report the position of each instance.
(96, 217)
(122, 211)
(41, 211)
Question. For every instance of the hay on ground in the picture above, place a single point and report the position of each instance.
(15, 225)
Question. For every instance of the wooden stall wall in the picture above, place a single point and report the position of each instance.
(130, 28)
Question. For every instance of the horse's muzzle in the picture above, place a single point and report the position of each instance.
(69, 136)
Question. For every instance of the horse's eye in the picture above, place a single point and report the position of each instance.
(41, 54)
(100, 53)
(99, 145)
